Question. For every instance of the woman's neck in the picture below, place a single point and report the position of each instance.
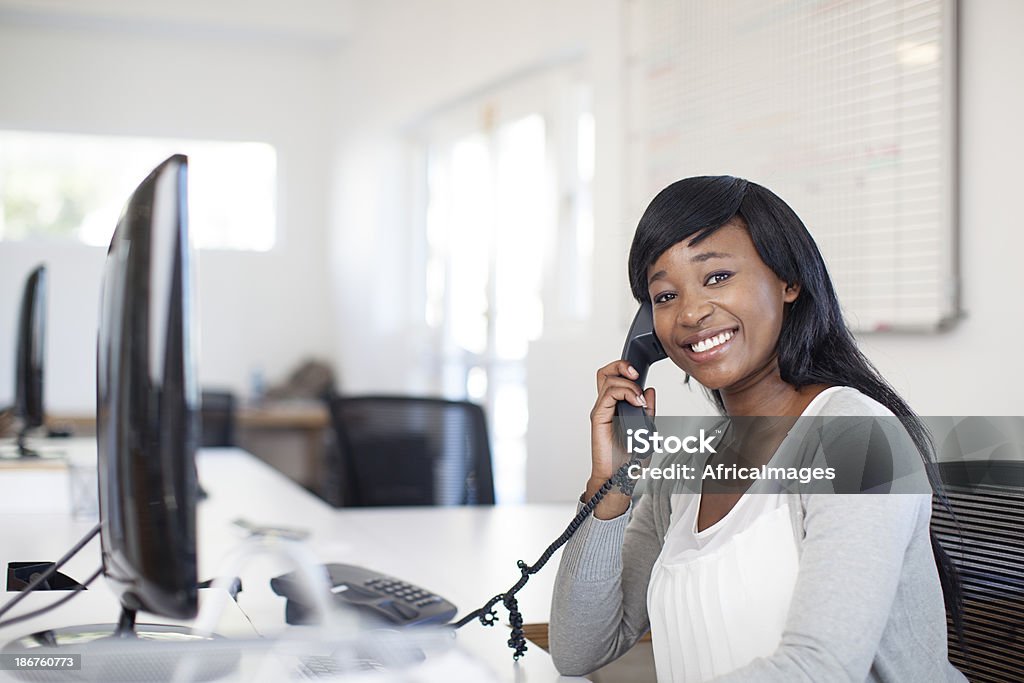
(769, 395)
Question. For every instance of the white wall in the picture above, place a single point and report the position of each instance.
(264, 310)
(408, 58)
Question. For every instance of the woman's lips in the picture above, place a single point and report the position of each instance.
(712, 353)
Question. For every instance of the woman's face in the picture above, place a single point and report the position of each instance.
(718, 308)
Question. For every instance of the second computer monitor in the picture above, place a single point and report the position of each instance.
(30, 356)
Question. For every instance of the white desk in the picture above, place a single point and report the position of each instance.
(465, 554)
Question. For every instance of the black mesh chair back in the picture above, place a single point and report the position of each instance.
(399, 450)
(217, 414)
(985, 541)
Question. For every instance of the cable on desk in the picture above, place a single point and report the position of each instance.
(43, 610)
(38, 579)
(487, 616)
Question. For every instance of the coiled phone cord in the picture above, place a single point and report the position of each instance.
(487, 616)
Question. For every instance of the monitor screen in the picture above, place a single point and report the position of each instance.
(31, 351)
(147, 399)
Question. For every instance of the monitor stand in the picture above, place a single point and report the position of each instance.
(39, 451)
(39, 444)
(127, 651)
(23, 450)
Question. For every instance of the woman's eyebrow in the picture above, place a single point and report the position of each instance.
(698, 258)
(707, 256)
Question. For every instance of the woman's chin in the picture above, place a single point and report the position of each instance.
(711, 383)
(713, 379)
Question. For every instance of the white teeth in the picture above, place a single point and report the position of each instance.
(706, 344)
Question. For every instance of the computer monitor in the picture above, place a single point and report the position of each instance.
(147, 400)
(147, 432)
(30, 357)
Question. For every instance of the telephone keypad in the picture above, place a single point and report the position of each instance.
(405, 591)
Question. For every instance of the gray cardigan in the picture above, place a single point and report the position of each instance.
(867, 604)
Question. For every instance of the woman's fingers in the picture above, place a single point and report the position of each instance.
(615, 382)
(619, 368)
(613, 391)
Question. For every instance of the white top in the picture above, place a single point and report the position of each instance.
(718, 598)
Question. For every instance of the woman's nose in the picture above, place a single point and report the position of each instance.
(691, 314)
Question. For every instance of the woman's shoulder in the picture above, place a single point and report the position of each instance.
(842, 401)
(868, 447)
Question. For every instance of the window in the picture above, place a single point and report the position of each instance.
(62, 187)
(508, 227)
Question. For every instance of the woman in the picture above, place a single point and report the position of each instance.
(736, 586)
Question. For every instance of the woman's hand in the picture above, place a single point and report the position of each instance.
(615, 382)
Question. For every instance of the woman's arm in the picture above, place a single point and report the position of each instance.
(851, 564)
(599, 606)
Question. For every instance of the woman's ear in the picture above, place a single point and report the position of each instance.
(791, 292)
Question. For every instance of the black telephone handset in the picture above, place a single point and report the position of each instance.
(641, 349)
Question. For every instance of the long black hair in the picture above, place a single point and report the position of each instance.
(815, 346)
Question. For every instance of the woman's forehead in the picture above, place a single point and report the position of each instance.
(730, 240)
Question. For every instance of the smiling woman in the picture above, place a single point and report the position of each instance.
(758, 583)
(718, 310)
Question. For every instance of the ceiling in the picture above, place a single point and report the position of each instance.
(310, 23)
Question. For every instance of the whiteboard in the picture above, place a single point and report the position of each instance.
(845, 109)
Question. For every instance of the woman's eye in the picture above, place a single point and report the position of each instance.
(716, 278)
(663, 297)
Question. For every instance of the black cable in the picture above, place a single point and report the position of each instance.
(487, 616)
(40, 578)
(43, 610)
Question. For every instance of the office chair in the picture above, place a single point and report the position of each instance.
(400, 450)
(217, 414)
(986, 545)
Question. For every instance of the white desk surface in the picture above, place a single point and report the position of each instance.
(467, 554)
